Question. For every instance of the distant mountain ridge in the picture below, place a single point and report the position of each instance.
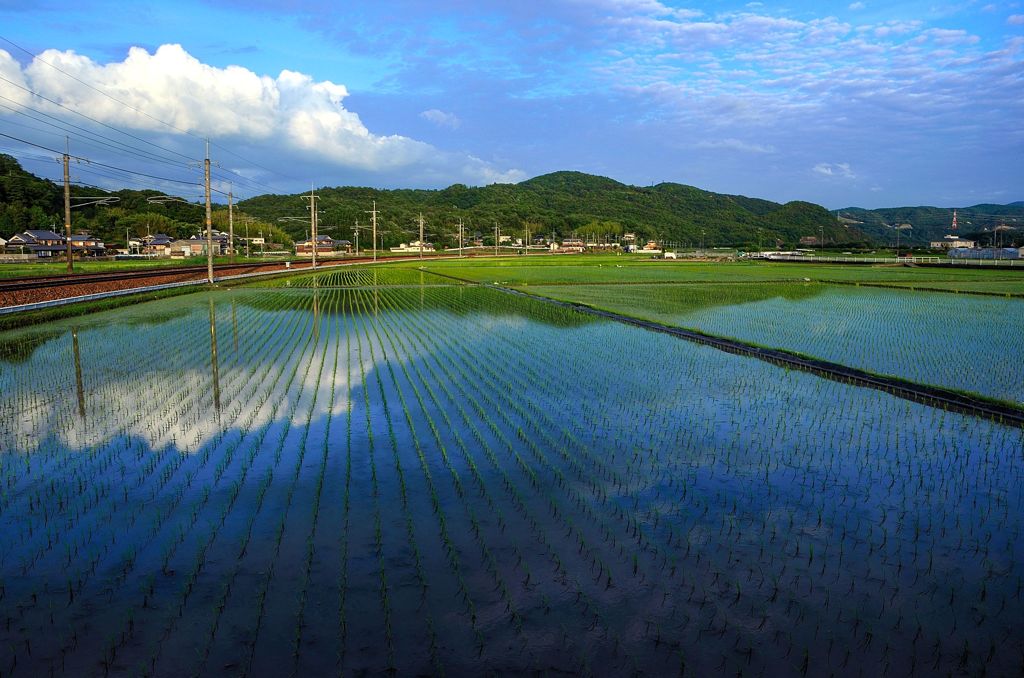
(573, 202)
(561, 202)
(976, 222)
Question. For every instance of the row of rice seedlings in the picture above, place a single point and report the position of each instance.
(209, 479)
(727, 451)
(104, 519)
(200, 475)
(262, 593)
(256, 462)
(886, 331)
(489, 560)
(483, 414)
(71, 589)
(300, 618)
(529, 582)
(288, 545)
(420, 572)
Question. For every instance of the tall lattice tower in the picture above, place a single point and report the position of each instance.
(954, 221)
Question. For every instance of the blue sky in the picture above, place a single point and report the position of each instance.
(853, 103)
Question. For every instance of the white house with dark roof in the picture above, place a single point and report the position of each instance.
(42, 243)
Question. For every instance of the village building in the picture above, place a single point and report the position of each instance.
(41, 243)
(182, 249)
(413, 247)
(951, 242)
(572, 245)
(325, 246)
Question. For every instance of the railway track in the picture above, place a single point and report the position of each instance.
(37, 282)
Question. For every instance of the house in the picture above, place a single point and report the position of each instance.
(220, 241)
(950, 242)
(84, 244)
(157, 244)
(572, 245)
(809, 240)
(651, 248)
(324, 245)
(414, 247)
(38, 242)
(182, 249)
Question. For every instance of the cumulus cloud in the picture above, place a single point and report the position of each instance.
(441, 118)
(857, 6)
(1015, 19)
(290, 114)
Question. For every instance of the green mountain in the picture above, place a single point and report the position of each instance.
(566, 203)
(28, 202)
(563, 203)
(978, 222)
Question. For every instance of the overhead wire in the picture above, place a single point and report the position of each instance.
(36, 57)
(246, 180)
(101, 164)
(63, 125)
(91, 119)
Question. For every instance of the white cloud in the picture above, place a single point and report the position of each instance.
(1015, 19)
(857, 6)
(441, 118)
(289, 115)
(839, 170)
(735, 145)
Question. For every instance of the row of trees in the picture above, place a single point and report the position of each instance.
(559, 204)
(28, 202)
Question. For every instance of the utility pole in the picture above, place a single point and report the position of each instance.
(527, 250)
(231, 224)
(356, 231)
(462, 252)
(421, 235)
(67, 201)
(209, 217)
(312, 220)
(373, 220)
(495, 238)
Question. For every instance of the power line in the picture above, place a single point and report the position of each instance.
(151, 117)
(95, 89)
(111, 127)
(67, 127)
(100, 164)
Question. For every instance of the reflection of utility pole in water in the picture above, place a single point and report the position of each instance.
(78, 373)
(421, 290)
(214, 365)
(375, 291)
(234, 326)
(316, 314)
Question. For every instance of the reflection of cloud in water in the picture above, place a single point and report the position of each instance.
(161, 383)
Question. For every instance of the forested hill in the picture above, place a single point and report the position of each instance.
(562, 202)
(567, 203)
(29, 202)
(978, 222)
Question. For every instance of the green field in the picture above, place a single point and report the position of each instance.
(960, 342)
(358, 474)
(629, 269)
